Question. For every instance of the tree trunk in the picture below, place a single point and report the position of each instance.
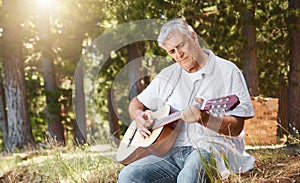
(80, 133)
(294, 74)
(137, 84)
(283, 110)
(18, 132)
(55, 127)
(3, 116)
(250, 50)
(112, 117)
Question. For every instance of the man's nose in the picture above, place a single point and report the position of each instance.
(179, 53)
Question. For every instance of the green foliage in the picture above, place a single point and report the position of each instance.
(273, 46)
(36, 101)
(70, 22)
(74, 25)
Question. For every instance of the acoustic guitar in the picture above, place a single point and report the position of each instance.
(165, 130)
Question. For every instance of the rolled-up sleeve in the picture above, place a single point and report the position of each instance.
(239, 87)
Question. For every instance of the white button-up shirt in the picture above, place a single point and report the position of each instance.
(218, 78)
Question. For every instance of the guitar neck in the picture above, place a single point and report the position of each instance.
(175, 115)
(166, 120)
(217, 105)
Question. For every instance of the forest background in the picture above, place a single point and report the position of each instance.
(49, 96)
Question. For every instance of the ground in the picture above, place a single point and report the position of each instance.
(276, 165)
(272, 165)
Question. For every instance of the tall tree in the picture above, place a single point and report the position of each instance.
(126, 12)
(3, 116)
(249, 53)
(81, 20)
(136, 52)
(18, 129)
(294, 74)
(112, 117)
(55, 126)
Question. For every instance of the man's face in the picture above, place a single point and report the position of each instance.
(183, 49)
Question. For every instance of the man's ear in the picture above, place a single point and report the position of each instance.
(195, 37)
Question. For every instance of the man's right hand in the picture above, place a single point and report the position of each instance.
(144, 121)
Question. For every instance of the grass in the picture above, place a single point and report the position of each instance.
(276, 165)
(59, 165)
(84, 165)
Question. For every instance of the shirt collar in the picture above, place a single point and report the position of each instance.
(206, 70)
(210, 65)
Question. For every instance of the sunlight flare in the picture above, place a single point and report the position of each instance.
(45, 4)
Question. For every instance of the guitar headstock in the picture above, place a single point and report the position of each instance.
(221, 104)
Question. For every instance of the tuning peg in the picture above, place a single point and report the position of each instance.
(214, 112)
(222, 112)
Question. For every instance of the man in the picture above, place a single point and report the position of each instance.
(197, 74)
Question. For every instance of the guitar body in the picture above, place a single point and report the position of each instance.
(158, 143)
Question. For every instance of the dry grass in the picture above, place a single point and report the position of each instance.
(82, 165)
(275, 165)
(59, 165)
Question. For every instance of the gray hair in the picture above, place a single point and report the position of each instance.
(170, 27)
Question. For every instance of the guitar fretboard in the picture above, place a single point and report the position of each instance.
(172, 117)
(166, 120)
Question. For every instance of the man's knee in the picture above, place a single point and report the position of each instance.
(126, 176)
